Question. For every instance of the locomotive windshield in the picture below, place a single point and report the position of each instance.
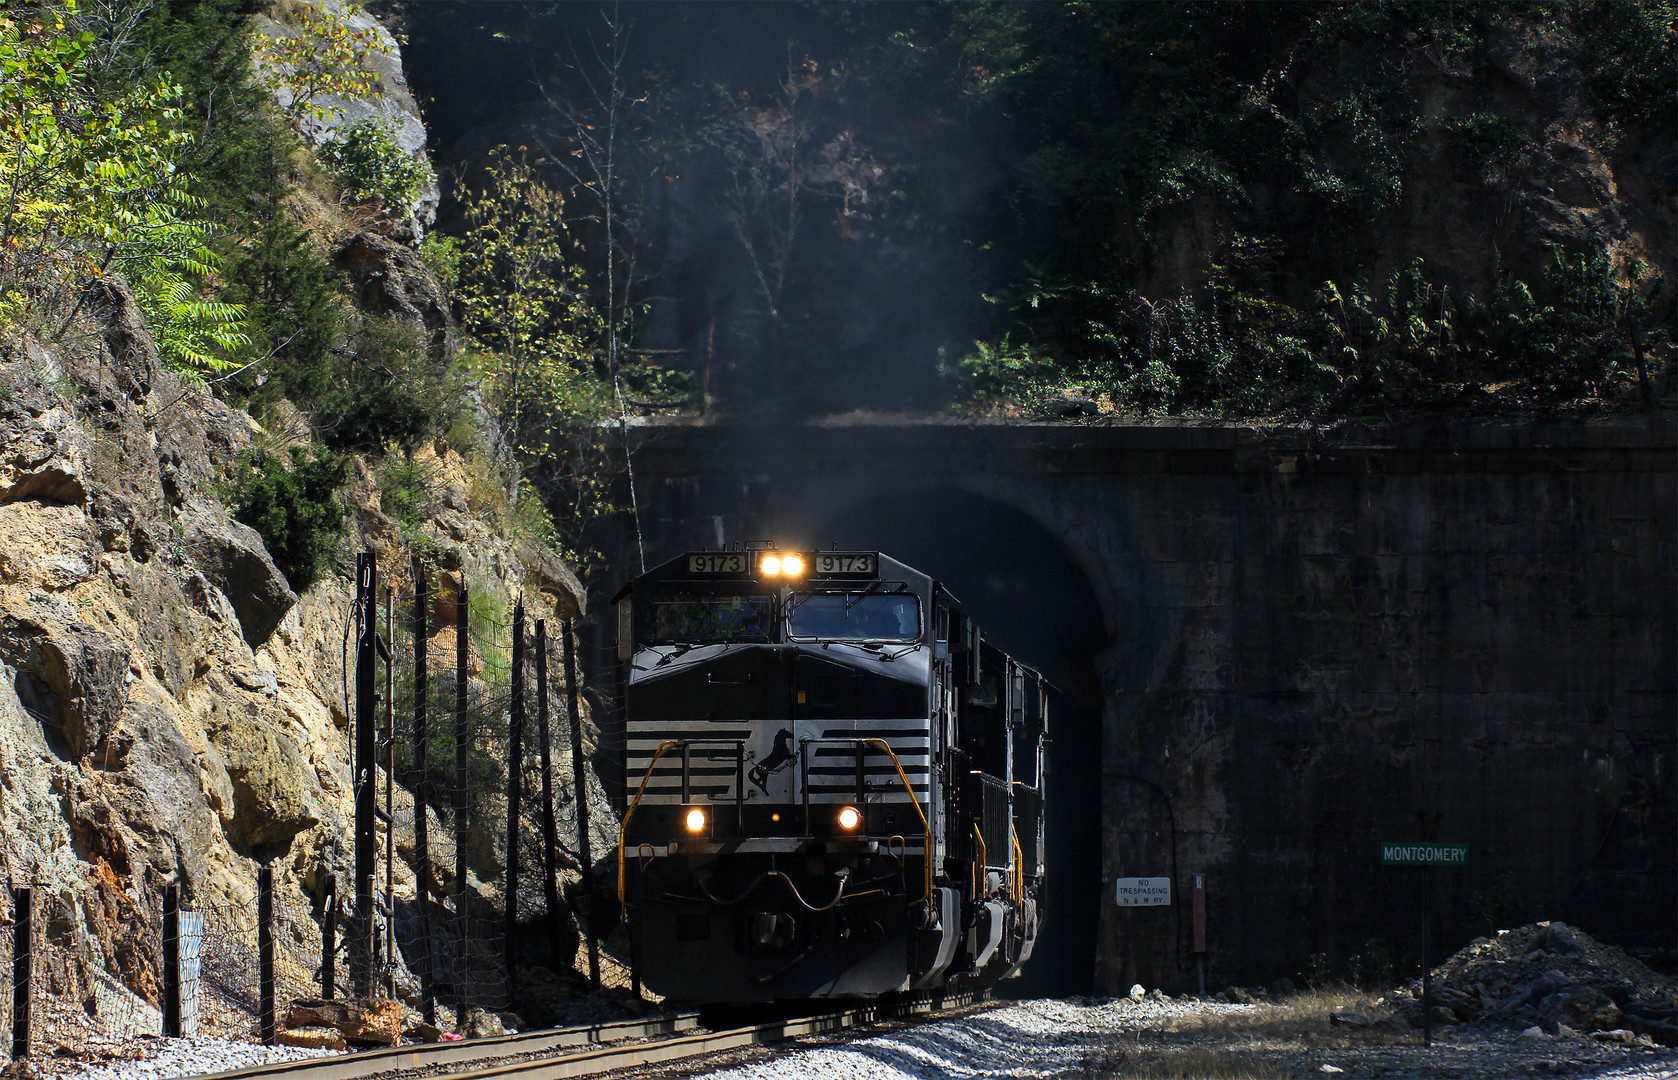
(698, 618)
(856, 617)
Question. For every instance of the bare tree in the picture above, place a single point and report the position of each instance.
(776, 167)
(591, 153)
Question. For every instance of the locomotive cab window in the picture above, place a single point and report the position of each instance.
(856, 617)
(696, 618)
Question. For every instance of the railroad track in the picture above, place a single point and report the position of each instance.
(590, 1050)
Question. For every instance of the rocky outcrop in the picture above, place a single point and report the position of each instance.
(176, 710)
(390, 280)
(274, 791)
(234, 559)
(43, 453)
(70, 678)
(393, 106)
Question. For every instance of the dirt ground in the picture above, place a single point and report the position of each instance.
(1296, 1037)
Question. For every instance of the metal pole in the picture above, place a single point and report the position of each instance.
(550, 836)
(1427, 970)
(515, 769)
(626, 913)
(265, 952)
(23, 968)
(390, 793)
(462, 804)
(422, 794)
(579, 774)
(1200, 932)
(366, 753)
(329, 941)
(171, 962)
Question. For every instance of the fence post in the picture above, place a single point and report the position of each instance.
(550, 837)
(171, 961)
(329, 941)
(515, 773)
(579, 772)
(366, 754)
(462, 797)
(23, 968)
(422, 792)
(265, 952)
(389, 655)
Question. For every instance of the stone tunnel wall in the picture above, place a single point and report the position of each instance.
(1322, 639)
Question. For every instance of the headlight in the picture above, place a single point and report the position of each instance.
(696, 821)
(781, 564)
(849, 818)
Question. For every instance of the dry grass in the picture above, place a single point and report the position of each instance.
(1189, 1063)
(1246, 1045)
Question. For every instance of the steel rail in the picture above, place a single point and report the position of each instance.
(353, 1066)
(704, 1044)
(596, 1059)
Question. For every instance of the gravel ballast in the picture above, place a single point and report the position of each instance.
(1056, 1038)
(156, 1058)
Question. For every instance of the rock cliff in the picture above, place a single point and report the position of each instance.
(176, 709)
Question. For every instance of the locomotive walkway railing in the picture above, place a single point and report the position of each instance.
(885, 747)
(684, 744)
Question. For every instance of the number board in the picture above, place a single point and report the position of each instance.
(717, 562)
(847, 564)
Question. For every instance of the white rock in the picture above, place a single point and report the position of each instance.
(1329, 1068)
(1534, 1032)
(1137, 993)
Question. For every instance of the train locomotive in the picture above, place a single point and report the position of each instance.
(834, 784)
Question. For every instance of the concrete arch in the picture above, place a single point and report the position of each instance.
(1312, 639)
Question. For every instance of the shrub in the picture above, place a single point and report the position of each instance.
(998, 371)
(294, 310)
(442, 254)
(405, 490)
(391, 392)
(369, 164)
(295, 507)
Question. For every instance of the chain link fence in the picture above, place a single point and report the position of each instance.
(473, 718)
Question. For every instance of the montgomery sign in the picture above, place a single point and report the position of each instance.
(1404, 854)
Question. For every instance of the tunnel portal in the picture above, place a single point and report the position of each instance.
(1297, 643)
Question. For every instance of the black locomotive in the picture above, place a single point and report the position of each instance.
(834, 784)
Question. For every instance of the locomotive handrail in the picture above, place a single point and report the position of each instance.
(623, 830)
(1019, 865)
(671, 744)
(926, 826)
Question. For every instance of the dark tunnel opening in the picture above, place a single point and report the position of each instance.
(1035, 603)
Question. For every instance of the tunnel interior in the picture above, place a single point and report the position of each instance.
(1023, 588)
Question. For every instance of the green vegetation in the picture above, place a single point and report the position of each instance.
(526, 305)
(388, 391)
(1283, 123)
(89, 185)
(295, 507)
(1162, 209)
(1237, 351)
(296, 314)
(370, 165)
(326, 58)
